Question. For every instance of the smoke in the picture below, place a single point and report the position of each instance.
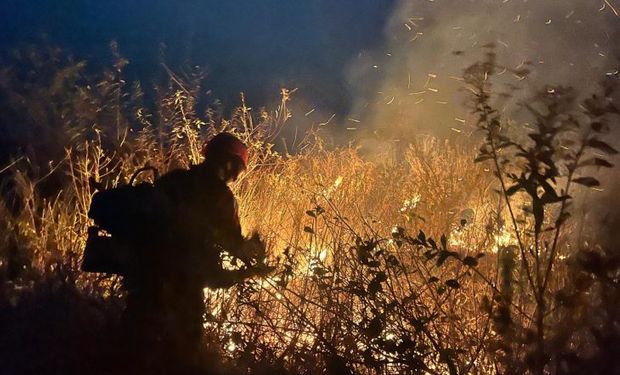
(430, 42)
(412, 85)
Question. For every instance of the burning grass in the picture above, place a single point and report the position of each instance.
(392, 263)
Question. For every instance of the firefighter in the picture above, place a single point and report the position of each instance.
(165, 305)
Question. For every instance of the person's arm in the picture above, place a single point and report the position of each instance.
(250, 250)
(228, 227)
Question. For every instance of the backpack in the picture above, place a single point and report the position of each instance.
(125, 217)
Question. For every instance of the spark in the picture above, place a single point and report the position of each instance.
(354, 120)
(328, 120)
(613, 9)
(417, 35)
(309, 112)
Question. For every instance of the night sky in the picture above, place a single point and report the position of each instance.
(243, 45)
(368, 62)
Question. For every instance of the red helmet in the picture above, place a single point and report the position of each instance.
(224, 145)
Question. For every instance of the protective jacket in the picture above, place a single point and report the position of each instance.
(165, 303)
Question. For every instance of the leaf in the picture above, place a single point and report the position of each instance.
(470, 261)
(432, 243)
(320, 271)
(598, 162)
(587, 181)
(552, 197)
(432, 279)
(482, 158)
(374, 287)
(422, 237)
(513, 189)
(381, 277)
(453, 283)
(444, 241)
(443, 255)
(311, 213)
(392, 260)
(602, 146)
(309, 230)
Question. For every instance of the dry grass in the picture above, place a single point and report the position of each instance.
(356, 284)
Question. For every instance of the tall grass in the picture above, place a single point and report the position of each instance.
(406, 264)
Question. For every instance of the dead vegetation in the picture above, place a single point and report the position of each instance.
(425, 263)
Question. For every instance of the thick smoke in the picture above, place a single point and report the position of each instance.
(430, 42)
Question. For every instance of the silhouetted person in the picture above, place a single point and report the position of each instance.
(176, 253)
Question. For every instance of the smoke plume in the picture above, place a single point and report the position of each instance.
(430, 42)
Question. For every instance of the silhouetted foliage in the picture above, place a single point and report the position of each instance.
(410, 267)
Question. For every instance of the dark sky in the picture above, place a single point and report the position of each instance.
(368, 61)
(255, 46)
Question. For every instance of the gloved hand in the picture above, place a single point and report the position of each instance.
(255, 252)
(253, 249)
